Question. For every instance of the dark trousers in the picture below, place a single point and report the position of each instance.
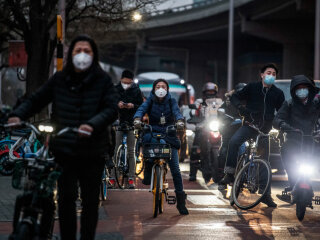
(195, 154)
(88, 173)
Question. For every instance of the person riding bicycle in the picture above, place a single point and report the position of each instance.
(262, 99)
(209, 90)
(82, 96)
(130, 100)
(228, 128)
(300, 113)
(163, 111)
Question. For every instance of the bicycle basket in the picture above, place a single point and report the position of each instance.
(156, 151)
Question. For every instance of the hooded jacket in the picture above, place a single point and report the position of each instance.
(156, 109)
(132, 95)
(91, 100)
(293, 114)
(261, 103)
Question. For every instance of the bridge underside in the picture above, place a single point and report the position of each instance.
(276, 31)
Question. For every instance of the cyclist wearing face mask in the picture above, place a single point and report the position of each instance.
(163, 111)
(130, 99)
(301, 112)
(262, 98)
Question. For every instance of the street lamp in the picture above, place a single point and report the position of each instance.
(136, 17)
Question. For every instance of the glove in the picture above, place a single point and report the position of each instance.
(180, 125)
(244, 111)
(137, 123)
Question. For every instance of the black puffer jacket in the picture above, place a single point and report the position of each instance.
(91, 100)
(261, 103)
(294, 114)
(132, 95)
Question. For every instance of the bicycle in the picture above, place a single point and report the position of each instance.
(104, 184)
(121, 168)
(159, 153)
(252, 177)
(35, 207)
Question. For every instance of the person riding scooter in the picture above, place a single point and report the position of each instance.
(205, 145)
(297, 116)
(227, 128)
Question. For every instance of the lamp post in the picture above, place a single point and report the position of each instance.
(137, 17)
(230, 46)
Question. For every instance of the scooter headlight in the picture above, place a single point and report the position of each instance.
(214, 126)
(306, 169)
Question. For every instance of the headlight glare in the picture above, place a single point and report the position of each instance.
(214, 126)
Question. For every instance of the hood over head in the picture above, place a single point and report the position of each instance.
(301, 79)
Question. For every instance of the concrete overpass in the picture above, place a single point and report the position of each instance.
(192, 40)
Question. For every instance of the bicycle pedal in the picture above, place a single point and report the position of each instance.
(317, 200)
(171, 200)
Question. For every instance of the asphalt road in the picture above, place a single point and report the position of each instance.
(127, 214)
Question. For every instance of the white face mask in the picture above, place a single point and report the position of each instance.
(82, 61)
(125, 86)
(161, 92)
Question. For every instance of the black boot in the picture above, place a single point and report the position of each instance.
(227, 179)
(181, 203)
(267, 199)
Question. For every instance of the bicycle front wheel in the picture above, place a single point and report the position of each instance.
(251, 184)
(119, 172)
(156, 190)
(104, 187)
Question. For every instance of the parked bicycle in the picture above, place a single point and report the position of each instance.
(36, 174)
(159, 153)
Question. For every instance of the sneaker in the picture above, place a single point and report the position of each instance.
(227, 179)
(111, 183)
(131, 183)
(269, 201)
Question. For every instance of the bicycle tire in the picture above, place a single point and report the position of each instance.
(104, 187)
(140, 170)
(156, 190)
(162, 195)
(24, 232)
(238, 184)
(118, 172)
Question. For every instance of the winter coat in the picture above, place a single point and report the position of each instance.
(156, 109)
(92, 100)
(294, 114)
(132, 95)
(261, 103)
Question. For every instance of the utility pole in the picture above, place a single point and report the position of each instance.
(230, 46)
(317, 42)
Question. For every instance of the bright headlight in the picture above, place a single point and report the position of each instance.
(214, 126)
(44, 128)
(306, 169)
(274, 131)
(189, 132)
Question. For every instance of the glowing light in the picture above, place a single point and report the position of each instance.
(214, 126)
(182, 81)
(136, 80)
(136, 17)
(189, 132)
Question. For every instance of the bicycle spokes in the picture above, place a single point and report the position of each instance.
(251, 184)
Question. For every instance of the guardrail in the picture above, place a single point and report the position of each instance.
(185, 8)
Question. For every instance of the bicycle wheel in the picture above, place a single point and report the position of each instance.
(24, 232)
(139, 168)
(156, 190)
(104, 187)
(251, 184)
(119, 173)
(162, 195)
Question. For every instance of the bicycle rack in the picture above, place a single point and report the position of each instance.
(171, 200)
(317, 200)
